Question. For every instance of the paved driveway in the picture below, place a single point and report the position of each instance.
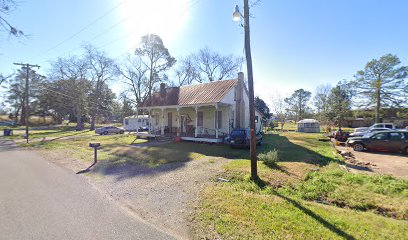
(39, 200)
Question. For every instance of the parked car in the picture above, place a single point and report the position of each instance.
(109, 130)
(385, 141)
(6, 123)
(368, 132)
(241, 138)
(377, 125)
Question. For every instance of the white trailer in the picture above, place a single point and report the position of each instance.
(136, 123)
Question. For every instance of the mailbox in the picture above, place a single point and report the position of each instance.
(94, 145)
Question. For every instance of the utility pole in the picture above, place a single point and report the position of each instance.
(236, 16)
(254, 160)
(27, 66)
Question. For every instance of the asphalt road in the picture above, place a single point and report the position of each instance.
(39, 200)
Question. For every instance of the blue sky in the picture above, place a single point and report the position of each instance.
(295, 43)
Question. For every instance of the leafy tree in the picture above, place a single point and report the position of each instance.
(339, 105)
(382, 83)
(69, 87)
(156, 58)
(262, 107)
(16, 92)
(297, 102)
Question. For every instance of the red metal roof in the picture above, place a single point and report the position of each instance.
(204, 93)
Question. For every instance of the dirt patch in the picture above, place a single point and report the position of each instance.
(376, 162)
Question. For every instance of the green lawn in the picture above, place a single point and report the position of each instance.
(306, 195)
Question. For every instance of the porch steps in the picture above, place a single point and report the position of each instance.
(164, 138)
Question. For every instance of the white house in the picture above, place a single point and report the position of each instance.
(200, 112)
(135, 123)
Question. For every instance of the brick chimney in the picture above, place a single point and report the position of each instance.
(162, 89)
(239, 102)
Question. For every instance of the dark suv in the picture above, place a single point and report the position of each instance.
(385, 141)
(240, 138)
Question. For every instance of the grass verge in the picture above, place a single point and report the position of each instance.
(304, 195)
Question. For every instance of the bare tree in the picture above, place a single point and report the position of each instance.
(185, 72)
(134, 73)
(211, 66)
(101, 70)
(280, 109)
(6, 7)
(321, 100)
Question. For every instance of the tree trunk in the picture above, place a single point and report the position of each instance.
(80, 124)
(92, 122)
(378, 106)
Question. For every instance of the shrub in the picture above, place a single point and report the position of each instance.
(270, 158)
(271, 125)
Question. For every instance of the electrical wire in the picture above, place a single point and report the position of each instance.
(84, 28)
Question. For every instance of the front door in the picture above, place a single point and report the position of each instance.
(169, 120)
(183, 124)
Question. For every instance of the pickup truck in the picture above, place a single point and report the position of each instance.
(376, 125)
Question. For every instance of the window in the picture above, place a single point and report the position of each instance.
(126, 121)
(218, 119)
(396, 136)
(388, 126)
(157, 118)
(380, 136)
(139, 120)
(200, 119)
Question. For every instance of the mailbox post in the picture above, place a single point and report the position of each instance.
(95, 146)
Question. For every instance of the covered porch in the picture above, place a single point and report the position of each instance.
(198, 123)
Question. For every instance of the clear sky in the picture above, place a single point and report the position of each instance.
(295, 43)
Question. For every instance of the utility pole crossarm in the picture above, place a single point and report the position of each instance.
(26, 92)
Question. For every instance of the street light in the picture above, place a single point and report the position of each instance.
(236, 16)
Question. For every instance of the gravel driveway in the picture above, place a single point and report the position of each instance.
(383, 163)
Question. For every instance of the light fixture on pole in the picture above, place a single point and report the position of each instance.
(236, 16)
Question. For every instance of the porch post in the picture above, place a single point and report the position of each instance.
(216, 120)
(162, 122)
(196, 121)
(178, 122)
(150, 122)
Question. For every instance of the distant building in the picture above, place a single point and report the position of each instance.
(308, 126)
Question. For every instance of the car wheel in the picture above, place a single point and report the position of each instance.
(122, 132)
(358, 147)
(105, 133)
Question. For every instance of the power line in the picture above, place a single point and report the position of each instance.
(84, 28)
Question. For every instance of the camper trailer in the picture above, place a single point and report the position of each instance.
(136, 123)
